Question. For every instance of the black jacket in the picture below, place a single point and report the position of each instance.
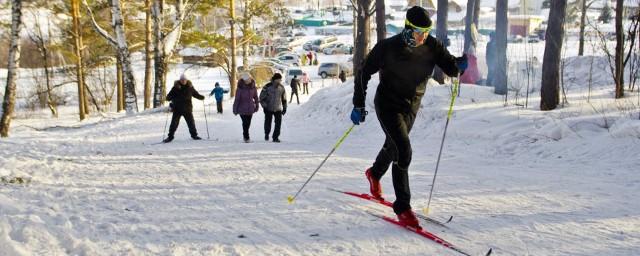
(295, 83)
(180, 95)
(404, 72)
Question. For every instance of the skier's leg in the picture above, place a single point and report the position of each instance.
(397, 130)
(219, 105)
(175, 121)
(188, 116)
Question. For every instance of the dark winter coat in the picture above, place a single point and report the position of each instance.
(180, 95)
(342, 76)
(246, 102)
(273, 97)
(404, 72)
(295, 83)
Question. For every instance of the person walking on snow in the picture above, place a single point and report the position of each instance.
(404, 62)
(305, 83)
(180, 97)
(246, 103)
(295, 83)
(219, 95)
(273, 99)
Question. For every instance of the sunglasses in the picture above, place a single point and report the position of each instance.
(418, 29)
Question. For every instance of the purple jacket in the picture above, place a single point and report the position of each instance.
(246, 102)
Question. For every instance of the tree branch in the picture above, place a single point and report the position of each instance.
(97, 27)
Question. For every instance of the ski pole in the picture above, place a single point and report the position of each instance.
(290, 199)
(166, 120)
(204, 110)
(456, 86)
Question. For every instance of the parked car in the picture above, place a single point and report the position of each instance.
(338, 48)
(281, 68)
(332, 69)
(308, 46)
(290, 59)
(280, 49)
(324, 42)
(315, 45)
(290, 73)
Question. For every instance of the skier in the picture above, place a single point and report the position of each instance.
(219, 94)
(180, 97)
(273, 99)
(305, 83)
(404, 62)
(246, 103)
(295, 83)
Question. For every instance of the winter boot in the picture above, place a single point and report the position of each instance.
(408, 218)
(168, 139)
(196, 137)
(276, 140)
(374, 185)
(266, 137)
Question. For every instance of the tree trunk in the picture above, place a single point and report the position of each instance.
(468, 38)
(130, 98)
(583, 20)
(232, 23)
(246, 26)
(549, 92)
(619, 58)
(148, 53)
(476, 14)
(363, 34)
(502, 26)
(9, 102)
(119, 85)
(77, 32)
(159, 58)
(381, 26)
(441, 34)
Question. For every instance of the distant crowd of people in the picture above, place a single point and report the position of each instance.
(272, 98)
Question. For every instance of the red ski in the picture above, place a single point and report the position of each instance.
(426, 234)
(390, 204)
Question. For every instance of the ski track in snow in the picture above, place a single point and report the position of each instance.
(516, 180)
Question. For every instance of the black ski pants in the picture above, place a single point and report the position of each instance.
(268, 117)
(397, 150)
(219, 106)
(246, 123)
(175, 120)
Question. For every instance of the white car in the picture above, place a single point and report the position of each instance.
(291, 73)
(338, 48)
(290, 59)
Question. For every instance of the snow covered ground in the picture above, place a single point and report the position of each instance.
(521, 181)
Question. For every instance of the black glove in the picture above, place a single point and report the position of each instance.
(462, 63)
(284, 111)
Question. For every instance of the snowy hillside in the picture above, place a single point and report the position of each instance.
(521, 181)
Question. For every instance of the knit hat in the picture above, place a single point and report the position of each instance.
(183, 77)
(276, 77)
(419, 17)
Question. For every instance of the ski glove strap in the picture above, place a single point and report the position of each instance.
(358, 115)
(462, 63)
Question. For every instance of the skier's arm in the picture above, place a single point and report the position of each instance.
(171, 93)
(443, 58)
(196, 94)
(372, 63)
